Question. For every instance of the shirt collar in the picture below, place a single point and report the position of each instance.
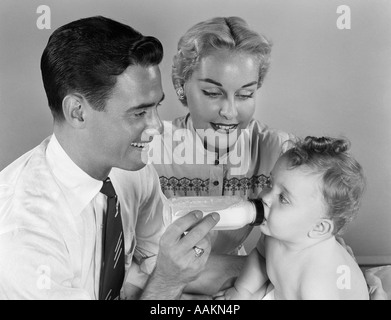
(79, 188)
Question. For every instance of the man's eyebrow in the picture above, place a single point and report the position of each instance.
(145, 105)
(220, 85)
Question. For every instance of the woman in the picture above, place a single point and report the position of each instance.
(218, 148)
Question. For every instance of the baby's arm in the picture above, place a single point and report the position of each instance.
(252, 281)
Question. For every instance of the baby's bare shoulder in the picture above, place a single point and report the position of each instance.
(334, 276)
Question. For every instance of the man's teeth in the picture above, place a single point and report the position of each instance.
(139, 144)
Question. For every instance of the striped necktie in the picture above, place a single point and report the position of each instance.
(113, 255)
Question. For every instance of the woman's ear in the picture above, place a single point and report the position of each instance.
(324, 227)
(180, 92)
(73, 107)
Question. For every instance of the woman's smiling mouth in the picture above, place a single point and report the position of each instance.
(224, 128)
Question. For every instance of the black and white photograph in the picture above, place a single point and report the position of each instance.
(195, 150)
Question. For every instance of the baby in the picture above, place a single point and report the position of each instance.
(314, 192)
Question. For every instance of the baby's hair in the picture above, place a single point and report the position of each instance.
(343, 180)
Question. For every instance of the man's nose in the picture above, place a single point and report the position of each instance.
(154, 127)
(157, 123)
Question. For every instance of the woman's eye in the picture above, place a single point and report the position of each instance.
(245, 96)
(211, 94)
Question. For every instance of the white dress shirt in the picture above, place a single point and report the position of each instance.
(51, 225)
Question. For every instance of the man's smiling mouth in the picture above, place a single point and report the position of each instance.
(140, 145)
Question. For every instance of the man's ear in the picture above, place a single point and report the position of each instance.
(324, 227)
(73, 107)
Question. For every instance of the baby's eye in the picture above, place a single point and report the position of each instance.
(283, 200)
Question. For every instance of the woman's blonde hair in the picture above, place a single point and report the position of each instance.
(230, 33)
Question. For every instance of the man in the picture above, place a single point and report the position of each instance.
(60, 236)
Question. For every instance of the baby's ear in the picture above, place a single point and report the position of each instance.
(324, 227)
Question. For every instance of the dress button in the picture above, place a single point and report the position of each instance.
(216, 183)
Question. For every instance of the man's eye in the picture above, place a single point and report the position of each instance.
(140, 114)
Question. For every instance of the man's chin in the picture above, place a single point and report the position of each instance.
(133, 165)
(137, 166)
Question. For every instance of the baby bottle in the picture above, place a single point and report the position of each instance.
(235, 212)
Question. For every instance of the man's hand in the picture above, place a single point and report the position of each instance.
(220, 273)
(177, 263)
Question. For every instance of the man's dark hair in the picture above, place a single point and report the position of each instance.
(86, 56)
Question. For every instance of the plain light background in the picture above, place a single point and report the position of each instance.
(323, 80)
